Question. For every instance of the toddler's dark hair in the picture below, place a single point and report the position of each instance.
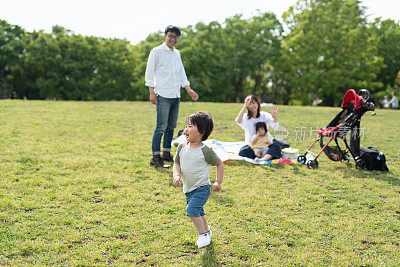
(204, 123)
(173, 29)
(261, 125)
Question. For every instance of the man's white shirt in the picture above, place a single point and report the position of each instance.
(165, 72)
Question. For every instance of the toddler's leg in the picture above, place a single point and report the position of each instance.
(208, 230)
(205, 223)
(267, 157)
(196, 200)
(199, 223)
(204, 236)
(257, 153)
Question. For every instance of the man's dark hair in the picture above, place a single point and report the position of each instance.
(173, 29)
(254, 99)
(204, 123)
(261, 125)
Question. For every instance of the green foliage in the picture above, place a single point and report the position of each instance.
(113, 74)
(387, 34)
(11, 47)
(62, 65)
(329, 48)
(77, 189)
(227, 61)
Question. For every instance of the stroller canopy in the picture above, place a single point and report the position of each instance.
(352, 97)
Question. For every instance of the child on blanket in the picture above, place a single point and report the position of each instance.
(191, 167)
(260, 142)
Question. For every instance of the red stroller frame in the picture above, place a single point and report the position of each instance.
(353, 107)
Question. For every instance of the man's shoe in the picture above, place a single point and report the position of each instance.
(158, 162)
(166, 156)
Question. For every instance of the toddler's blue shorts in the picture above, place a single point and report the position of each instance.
(196, 199)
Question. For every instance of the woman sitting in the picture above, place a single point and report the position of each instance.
(247, 121)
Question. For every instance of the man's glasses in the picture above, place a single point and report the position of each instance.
(176, 37)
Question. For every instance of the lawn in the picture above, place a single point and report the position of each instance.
(76, 188)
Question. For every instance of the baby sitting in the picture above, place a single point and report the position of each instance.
(261, 142)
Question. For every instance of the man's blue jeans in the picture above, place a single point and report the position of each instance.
(167, 115)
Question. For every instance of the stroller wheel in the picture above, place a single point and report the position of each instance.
(301, 159)
(312, 164)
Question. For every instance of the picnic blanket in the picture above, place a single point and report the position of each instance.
(229, 151)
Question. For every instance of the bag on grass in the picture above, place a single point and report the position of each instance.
(281, 142)
(371, 159)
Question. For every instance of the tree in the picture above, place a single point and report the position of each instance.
(113, 71)
(387, 34)
(267, 32)
(227, 61)
(57, 65)
(204, 55)
(11, 47)
(254, 44)
(329, 49)
(63, 65)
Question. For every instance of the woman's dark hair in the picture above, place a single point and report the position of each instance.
(255, 99)
(173, 29)
(204, 123)
(262, 125)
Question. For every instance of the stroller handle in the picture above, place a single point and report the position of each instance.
(366, 95)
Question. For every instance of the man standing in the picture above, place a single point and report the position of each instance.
(165, 75)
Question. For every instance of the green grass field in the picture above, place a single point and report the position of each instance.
(76, 188)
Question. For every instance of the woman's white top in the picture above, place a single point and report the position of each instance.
(249, 125)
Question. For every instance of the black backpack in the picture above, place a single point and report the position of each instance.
(371, 159)
(281, 142)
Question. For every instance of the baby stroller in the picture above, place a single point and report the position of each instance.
(348, 120)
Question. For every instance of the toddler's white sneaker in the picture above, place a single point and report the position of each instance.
(204, 240)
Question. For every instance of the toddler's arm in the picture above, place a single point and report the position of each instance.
(254, 140)
(177, 174)
(220, 174)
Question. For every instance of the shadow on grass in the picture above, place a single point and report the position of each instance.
(272, 166)
(221, 199)
(209, 257)
(297, 168)
(387, 177)
(238, 163)
(162, 171)
(244, 163)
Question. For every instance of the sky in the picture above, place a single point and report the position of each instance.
(134, 20)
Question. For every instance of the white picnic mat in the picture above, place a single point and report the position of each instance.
(230, 151)
(224, 150)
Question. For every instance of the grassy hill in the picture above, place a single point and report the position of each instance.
(76, 188)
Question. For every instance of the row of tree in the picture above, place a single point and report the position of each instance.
(327, 48)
